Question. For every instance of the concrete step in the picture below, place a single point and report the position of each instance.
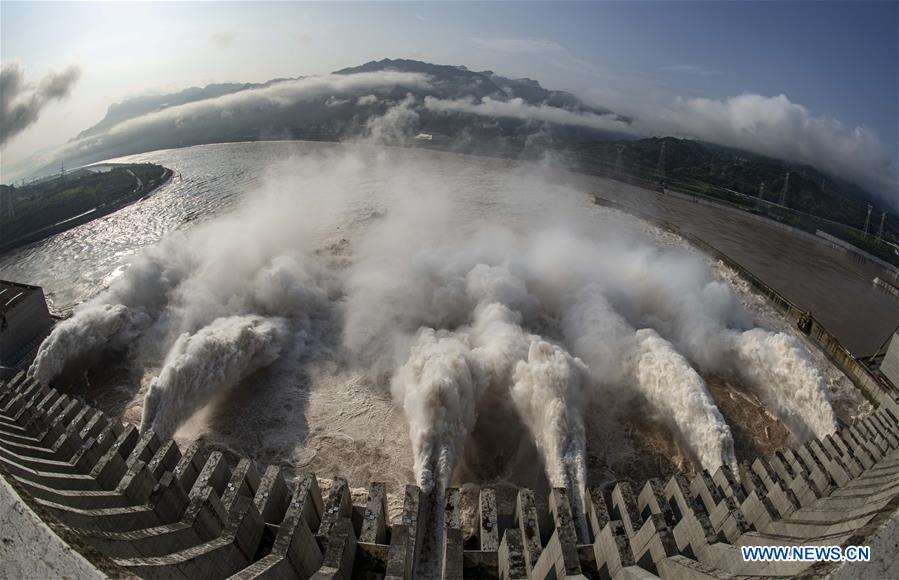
(163, 513)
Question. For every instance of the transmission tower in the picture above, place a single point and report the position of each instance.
(883, 217)
(868, 219)
(620, 149)
(9, 210)
(783, 192)
(660, 169)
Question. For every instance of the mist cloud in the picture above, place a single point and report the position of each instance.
(778, 127)
(21, 102)
(519, 109)
(277, 96)
(464, 303)
(771, 126)
(396, 124)
(693, 69)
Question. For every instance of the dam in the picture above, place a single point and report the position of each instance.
(596, 291)
(128, 503)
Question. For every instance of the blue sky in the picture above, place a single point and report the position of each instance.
(838, 60)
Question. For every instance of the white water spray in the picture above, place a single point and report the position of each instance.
(787, 381)
(549, 391)
(672, 387)
(645, 364)
(430, 288)
(703, 321)
(209, 363)
(439, 390)
(117, 318)
(86, 337)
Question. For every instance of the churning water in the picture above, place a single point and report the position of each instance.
(393, 315)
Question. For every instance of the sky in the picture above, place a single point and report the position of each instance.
(831, 61)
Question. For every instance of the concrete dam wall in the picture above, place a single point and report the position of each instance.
(136, 505)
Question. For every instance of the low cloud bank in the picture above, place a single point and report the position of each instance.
(780, 128)
(276, 96)
(352, 103)
(519, 109)
(771, 126)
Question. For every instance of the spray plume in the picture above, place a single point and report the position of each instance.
(208, 363)
(550, 390)
(116, 318)
(786, 379)
(97, 329)
(439, 391)
(451, 304)
(672, 387)
(646, 365)
(704, 321)
(245, 284)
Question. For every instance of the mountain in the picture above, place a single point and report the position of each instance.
(401, 101)
(458, 81)
(136, 106)
(326, 117)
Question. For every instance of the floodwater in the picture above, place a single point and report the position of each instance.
(336, 421)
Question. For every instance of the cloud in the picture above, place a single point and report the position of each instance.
(222, 39)
(335, 102)
(691, 69)
(771, 126)
(278, 96)
(397, 124)
(550, 52)
(519, 45)
(519, 109)
(247, 112)
(21, 102)
(777, 127)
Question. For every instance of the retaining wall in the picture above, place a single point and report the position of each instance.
(819, 236)
(858, 252)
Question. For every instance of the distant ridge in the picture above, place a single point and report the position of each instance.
(136, 106)
(453, 82)
(479, 112)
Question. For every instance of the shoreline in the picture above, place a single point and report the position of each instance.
(83, 218)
